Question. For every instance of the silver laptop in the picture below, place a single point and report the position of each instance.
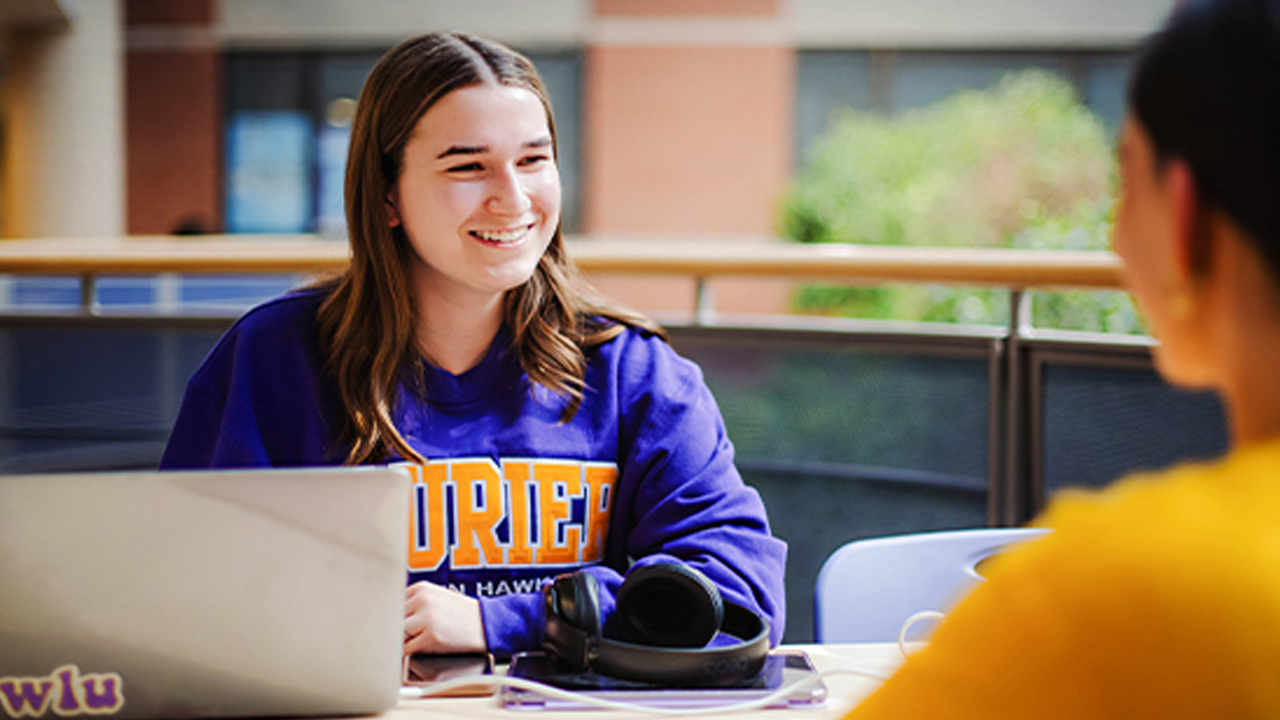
(214, 594)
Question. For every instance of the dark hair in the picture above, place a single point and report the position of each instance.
(1207, 90)
(367, 323)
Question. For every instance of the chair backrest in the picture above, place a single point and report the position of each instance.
(868, 588)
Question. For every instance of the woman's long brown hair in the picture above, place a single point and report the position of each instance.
(368, 320)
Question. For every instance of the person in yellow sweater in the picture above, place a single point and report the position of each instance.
(1159, 597)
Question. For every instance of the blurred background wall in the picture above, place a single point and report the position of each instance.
(677, 117)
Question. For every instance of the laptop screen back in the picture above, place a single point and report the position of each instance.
(221, 593)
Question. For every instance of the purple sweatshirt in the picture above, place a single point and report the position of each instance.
(510, 497)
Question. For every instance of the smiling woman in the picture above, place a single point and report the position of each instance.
(548, 430)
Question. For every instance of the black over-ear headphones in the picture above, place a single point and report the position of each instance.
(668, 612)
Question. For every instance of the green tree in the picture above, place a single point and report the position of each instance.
(1021, 165)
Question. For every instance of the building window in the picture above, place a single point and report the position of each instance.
(895, 81)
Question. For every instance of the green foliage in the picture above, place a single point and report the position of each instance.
(1022, 165)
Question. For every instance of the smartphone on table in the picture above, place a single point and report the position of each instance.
(427, 670)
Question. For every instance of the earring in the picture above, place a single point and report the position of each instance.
(1182, 298)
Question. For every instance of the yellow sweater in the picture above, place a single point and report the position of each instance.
(1157, 598)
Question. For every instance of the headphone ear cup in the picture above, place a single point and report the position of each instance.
(572, 629)
(671, 605)
(579, 599)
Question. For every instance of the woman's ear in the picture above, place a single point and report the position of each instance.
(393, 215)
(1191, 237)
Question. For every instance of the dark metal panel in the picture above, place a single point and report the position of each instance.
(1156, 434)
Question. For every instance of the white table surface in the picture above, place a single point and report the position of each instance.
(844, 691)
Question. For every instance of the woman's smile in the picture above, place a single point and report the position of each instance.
(510, 237)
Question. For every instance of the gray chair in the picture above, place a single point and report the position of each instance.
(868, 588)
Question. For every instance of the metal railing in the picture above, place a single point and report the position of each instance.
(1014, 353)
(89, 258)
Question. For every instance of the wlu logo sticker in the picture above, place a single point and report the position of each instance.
(66, 691)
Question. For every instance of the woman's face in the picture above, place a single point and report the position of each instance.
(478, 194)
(1146, 239)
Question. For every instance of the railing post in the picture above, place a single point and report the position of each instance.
(89, 294)
(706, 310)
(168, 293)
(997, 395)
(1015, 478)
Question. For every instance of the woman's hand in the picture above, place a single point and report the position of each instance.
(439, 620)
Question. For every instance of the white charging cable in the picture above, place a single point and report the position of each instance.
(552, 692)
(906, 626)
(419, 692)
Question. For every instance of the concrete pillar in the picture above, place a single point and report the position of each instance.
(63, 128)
